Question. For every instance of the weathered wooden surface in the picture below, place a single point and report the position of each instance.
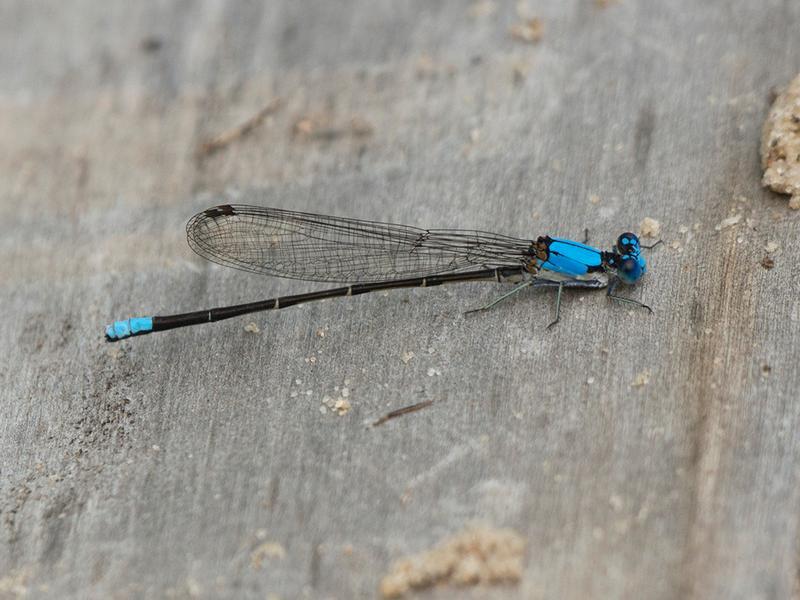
(155, 467)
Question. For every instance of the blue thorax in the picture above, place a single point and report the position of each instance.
(574, 259)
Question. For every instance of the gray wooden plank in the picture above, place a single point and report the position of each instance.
(156, 467)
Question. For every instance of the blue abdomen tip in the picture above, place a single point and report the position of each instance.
(120, 330)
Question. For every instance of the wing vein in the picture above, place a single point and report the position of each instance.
(313, 247)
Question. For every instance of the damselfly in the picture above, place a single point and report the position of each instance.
(369, 256)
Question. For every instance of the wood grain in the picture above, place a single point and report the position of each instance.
(637, 455)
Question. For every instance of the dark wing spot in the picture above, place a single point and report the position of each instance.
(219, 211)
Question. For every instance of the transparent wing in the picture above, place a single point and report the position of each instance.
(313, 247)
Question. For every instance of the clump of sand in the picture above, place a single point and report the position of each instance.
(477, 555)
(780, 145)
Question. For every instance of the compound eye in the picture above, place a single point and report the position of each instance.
(630, 269)
(628, 243)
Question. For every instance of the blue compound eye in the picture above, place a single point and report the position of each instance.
(628, 243)
(631, 269)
